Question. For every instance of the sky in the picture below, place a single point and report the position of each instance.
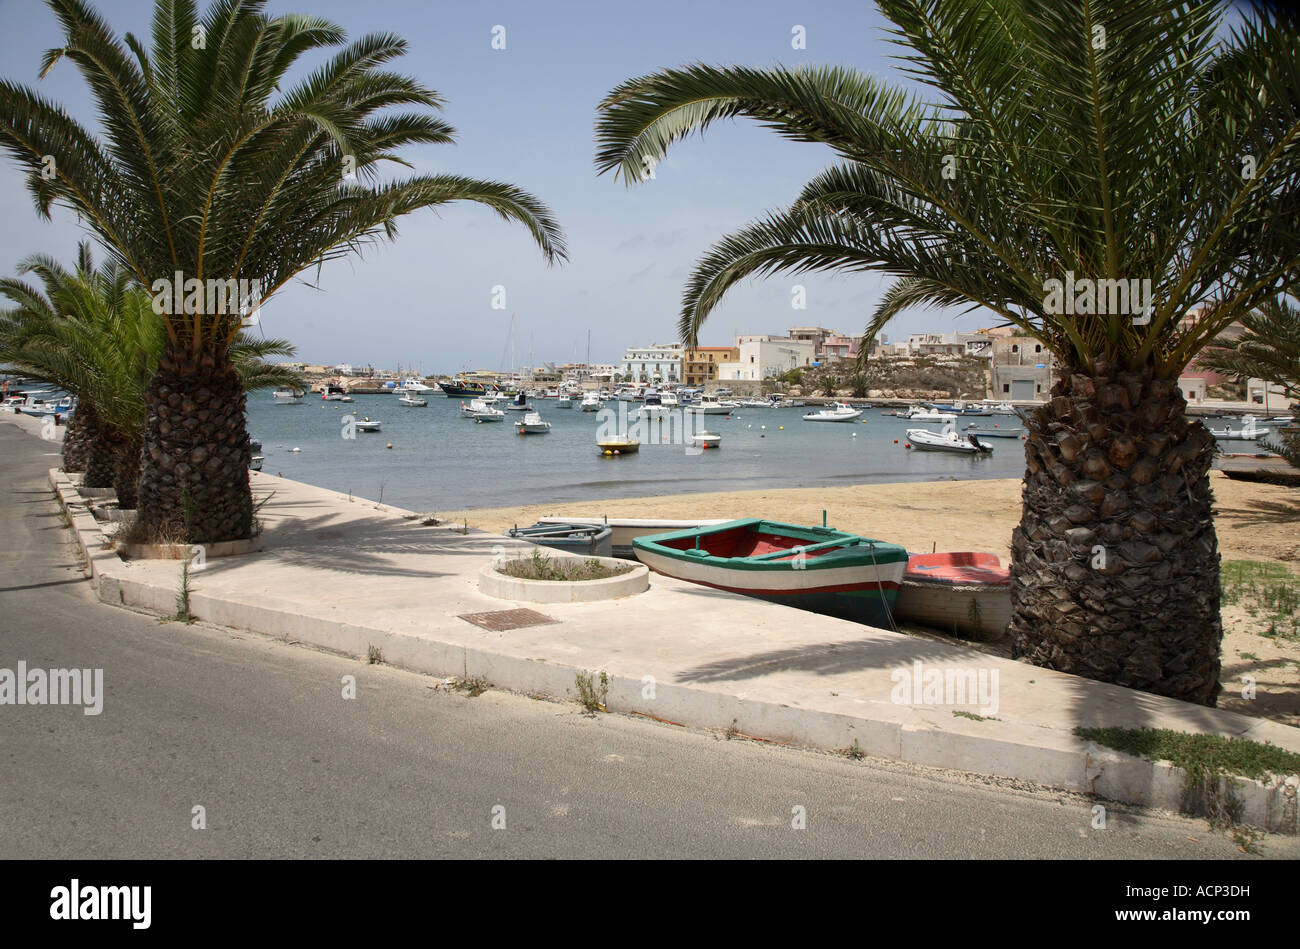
(525, 115)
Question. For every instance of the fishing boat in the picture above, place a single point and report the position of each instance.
(705, 440)
(966, 593)
(591, 540)
(532, 424)
(482, 411)
(710, 404)
(460, 388)
(332, 393)
(624, 530)
(55, 407)
(590, 402)
(368, 424)
(412, 400)
(813, 568)
(255, 462)
(654, 407)
(923, 439)
(286, 396)
(411, 384)
(564, 401)
(520, 404)
(1248, 432)
(838, 412)
(919, 413)
(995, 432)
(621, 445)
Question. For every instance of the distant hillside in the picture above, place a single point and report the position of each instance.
(915, 377)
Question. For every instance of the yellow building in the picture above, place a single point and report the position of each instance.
(702, 364)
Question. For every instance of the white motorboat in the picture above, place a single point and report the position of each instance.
(411, 385)
(710, 404)
(13, 403)
(368, 424)
(412, 400)
(532, 424)
(520, 404)
(922, 439)
(974, 429)
(590, 402)
(563, 402)
(482, 410)
(333, 393)
(286, 396)
(705, 440)
(838, 412)
(654, 407)
(919, 413)
(1249, 431)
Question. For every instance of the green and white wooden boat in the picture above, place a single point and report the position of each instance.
(812, 568)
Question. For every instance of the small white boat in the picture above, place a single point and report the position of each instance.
(654, 407)
(333, 393)
(368, 424)
(411, 400)
(839, 412)
(563, 402)
(481, 411)
(255, 463)
(532, 424)
(919, 413)
(995, 432)
(1248, 432)
(520, 404)
(710, 404)
(705, 440)
(286, 396)
(923, 439)
(411, 385)
(590, 402)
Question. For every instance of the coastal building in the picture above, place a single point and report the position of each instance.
(835, 348)
(653, 364)
(762, 357)
(701, 365)
(1022, 369)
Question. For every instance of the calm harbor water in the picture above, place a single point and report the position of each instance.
(440, 461)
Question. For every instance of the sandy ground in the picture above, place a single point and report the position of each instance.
(1254, 522)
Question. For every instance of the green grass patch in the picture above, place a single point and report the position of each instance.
(539, 566)
(1207, 761)
(593, 693)
(1267, 590)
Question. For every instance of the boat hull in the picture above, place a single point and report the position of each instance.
(624, 530)
(965, 593)
(589, 540)
(840, 575)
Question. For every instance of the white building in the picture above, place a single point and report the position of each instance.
(764, 356)
(653, 364)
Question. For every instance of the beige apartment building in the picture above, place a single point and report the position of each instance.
(701, 365)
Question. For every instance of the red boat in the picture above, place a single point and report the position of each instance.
(960, 592)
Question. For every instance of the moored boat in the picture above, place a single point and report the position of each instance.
(482, 411)
(626, 529)
(412, 400)
(813, 568)
(532, 424)
(590, 402)
(286, 396)
(592, 540)
(368, 424)
(838, 412)
(964, 592)
(621, 445)
(995, 432)
(1249, 431)
(922, 439)
(705, 440)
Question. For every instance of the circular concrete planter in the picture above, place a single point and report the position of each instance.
(636, 580)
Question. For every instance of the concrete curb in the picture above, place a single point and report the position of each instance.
(1074, 765)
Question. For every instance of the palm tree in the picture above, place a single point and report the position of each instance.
(209, 173)
(94, 335)
(1267, 349)
(1084, 141)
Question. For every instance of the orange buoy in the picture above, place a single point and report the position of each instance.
(895, 441)
(390, 444)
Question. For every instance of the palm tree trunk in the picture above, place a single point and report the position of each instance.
(74, 441)
(101, 459)
(126, 477)
(194, 467)
(1115, 564)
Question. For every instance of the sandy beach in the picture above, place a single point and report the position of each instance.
(1254, 522)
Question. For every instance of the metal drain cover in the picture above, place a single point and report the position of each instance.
(501, 620)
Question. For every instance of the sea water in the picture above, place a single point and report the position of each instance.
(440, 461)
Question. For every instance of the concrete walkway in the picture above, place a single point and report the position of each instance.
(348, 574)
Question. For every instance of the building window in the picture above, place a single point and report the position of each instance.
(1006, 387)
(1015, 349)
(1038, 349)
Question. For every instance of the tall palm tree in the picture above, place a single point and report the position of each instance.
(1081, 140)
(97, 337)
(210, 171)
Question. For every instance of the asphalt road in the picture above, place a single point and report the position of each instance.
(258, 734)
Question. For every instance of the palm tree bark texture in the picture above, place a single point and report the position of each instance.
(1115, 563)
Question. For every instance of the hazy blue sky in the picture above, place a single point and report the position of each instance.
(525, 115)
